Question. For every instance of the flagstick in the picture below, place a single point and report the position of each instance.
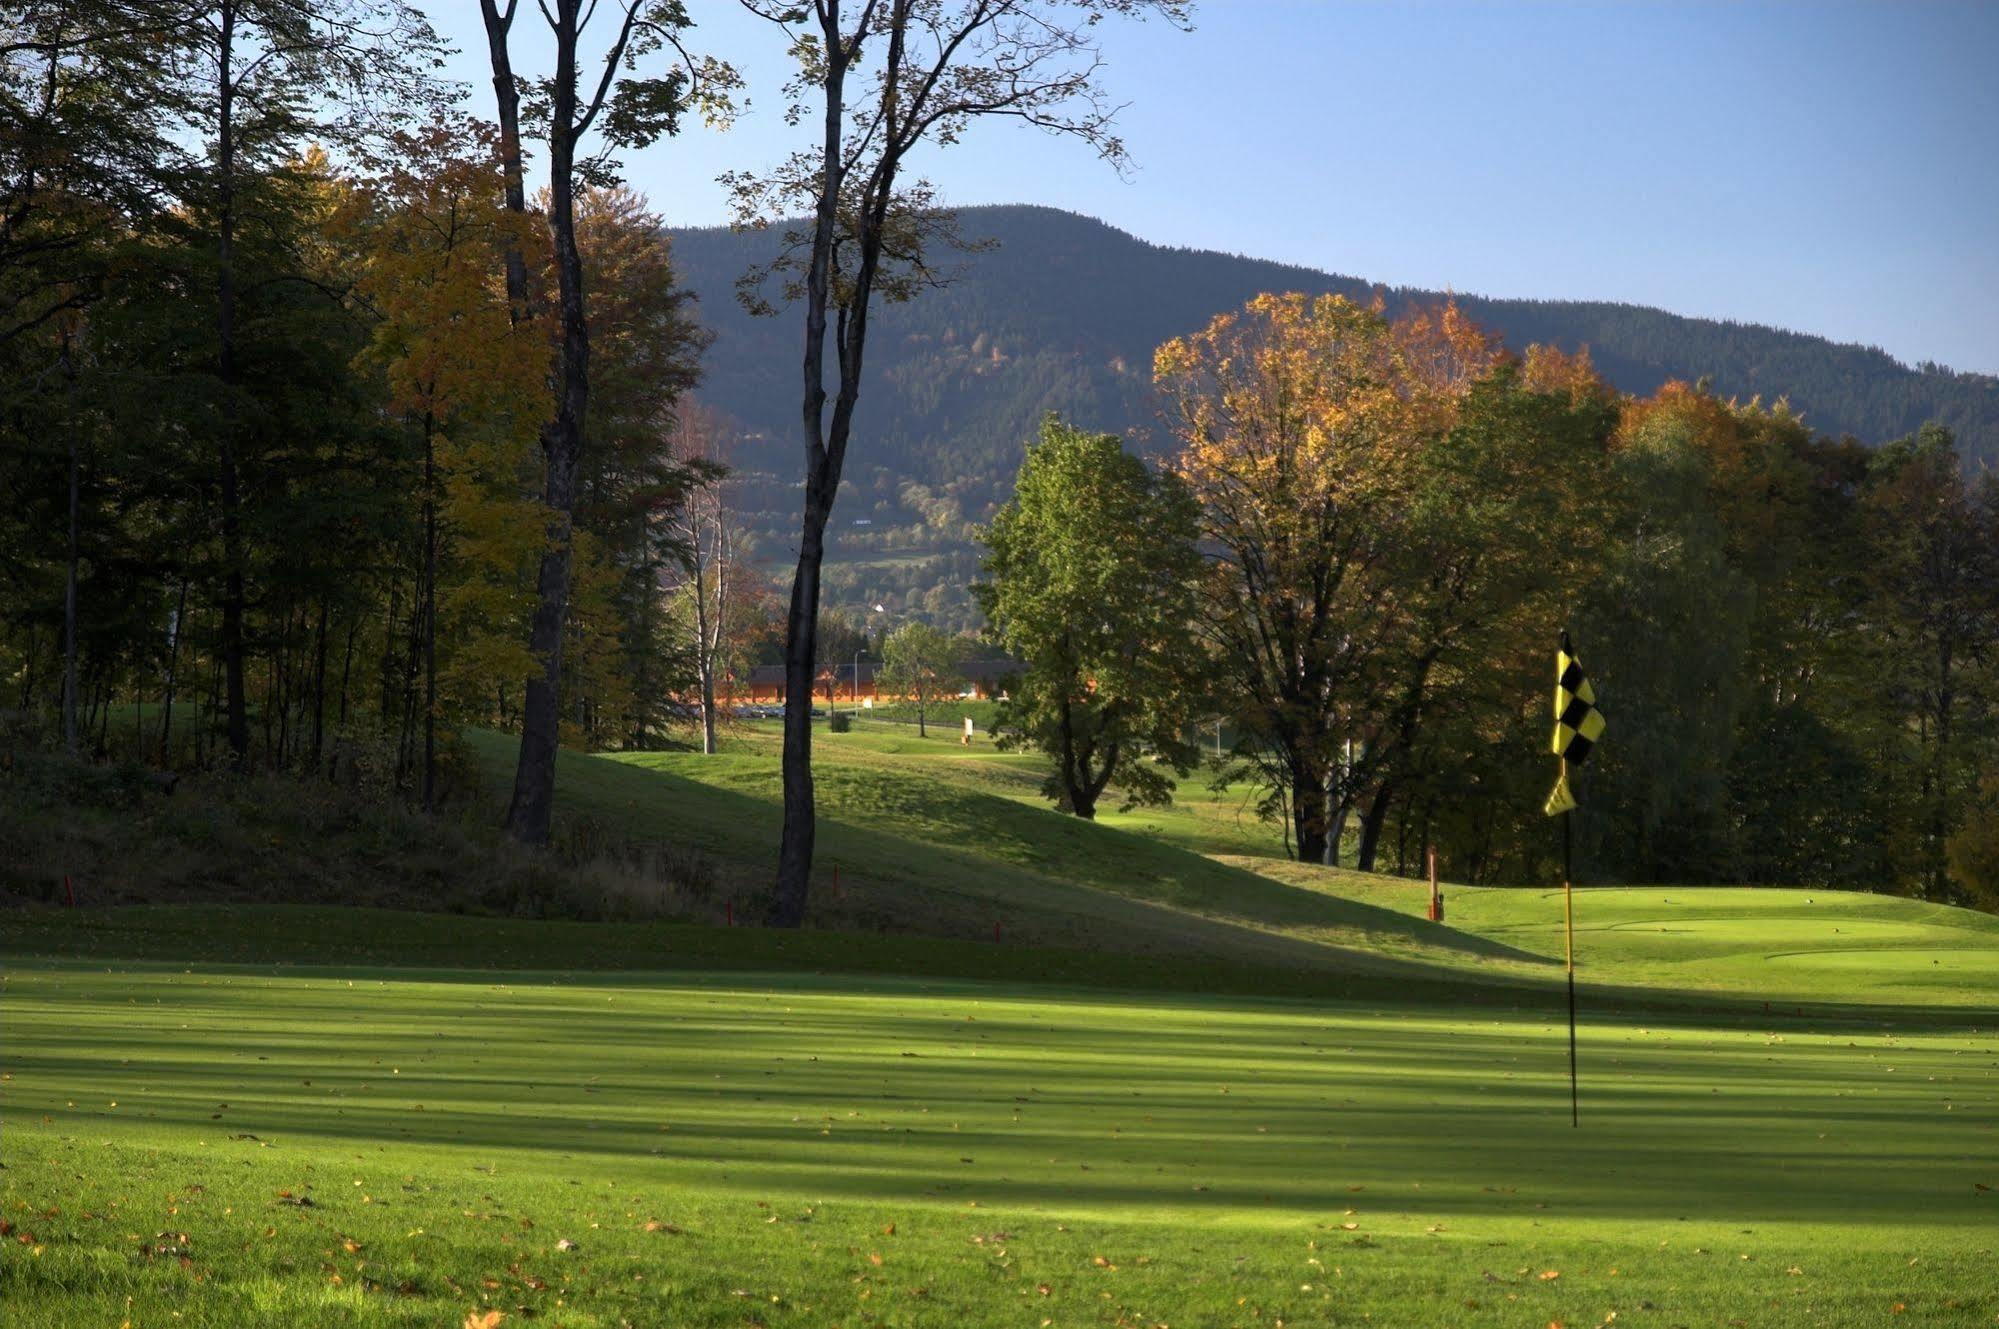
(1569, 943)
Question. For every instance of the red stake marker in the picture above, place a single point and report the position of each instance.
(995, 934)
(69, 887)
(729, 912)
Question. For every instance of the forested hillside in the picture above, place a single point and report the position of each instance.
(1063, 313)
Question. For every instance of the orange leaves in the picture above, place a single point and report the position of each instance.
(485, 1320)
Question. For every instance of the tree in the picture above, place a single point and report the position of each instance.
(1092, 571)
(1299, 421)
(1502, 526)
(1936, 614)
(466, 379)
(709, 553)
(921, 663)
(633, 478)
(256, 70)
(942, 65)
(631, 112)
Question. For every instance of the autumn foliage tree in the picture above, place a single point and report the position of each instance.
(468, 381)
(1300, 423)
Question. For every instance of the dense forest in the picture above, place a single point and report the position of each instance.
(1062, 313)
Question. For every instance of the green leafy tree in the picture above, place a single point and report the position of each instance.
(921, 663)
(1091, 574)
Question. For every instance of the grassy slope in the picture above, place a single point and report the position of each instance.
(954, 847)
(827, 1147)
(933, 837)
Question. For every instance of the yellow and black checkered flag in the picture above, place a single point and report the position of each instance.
(1578, 723)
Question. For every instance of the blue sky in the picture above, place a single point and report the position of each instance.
(1829, 167)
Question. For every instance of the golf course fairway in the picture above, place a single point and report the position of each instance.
(216, 1144)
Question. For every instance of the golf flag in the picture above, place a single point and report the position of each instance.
(1578, 726)
(1578, 723)
(1562, 800)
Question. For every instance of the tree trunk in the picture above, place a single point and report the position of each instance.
(319, 685)
(823, 456)
(533, 804)
(801, 643)
(1308, 813)
(1371, 823)
(1079, 802)
(507, 107)
(704, 645)
(231, 644)
(347, 669)
(429, 614)
(173, 670)
(69, 605)
(708, 708)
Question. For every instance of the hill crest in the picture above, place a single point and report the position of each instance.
(1063, 314)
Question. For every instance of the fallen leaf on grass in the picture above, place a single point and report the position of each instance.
(566, 1245)
(1550, 1275)
(489, 1320)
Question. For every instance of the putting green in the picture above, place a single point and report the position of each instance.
(215, 1145)
(1762, 932)
(1912, 962)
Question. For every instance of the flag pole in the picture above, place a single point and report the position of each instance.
(1569, 942)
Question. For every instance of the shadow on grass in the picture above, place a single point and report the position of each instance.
(1028, 1103)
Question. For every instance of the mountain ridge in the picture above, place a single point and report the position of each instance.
(1063, 313)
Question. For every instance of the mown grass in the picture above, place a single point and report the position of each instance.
(1176, 1089)
(1147, 1160)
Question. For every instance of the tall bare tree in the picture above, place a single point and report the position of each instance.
(709, 547)
(626, 111)
(880, 78)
